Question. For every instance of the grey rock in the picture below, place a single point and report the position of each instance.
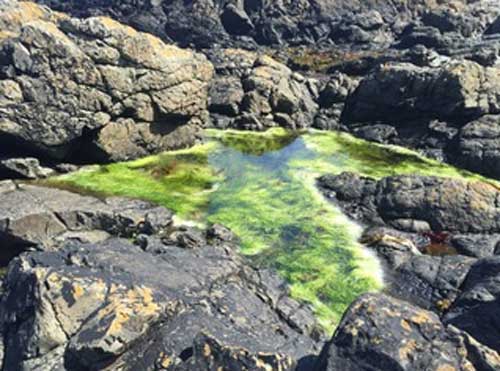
(28, 168)
(445, 204)
(43, 218)
(398, 92)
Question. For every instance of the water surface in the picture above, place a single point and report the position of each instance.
(262, 186)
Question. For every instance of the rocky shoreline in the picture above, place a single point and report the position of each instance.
(96, 283)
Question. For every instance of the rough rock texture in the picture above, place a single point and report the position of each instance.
(99, 91)
(438, 239)
(445, 204)
(381, 333)
(33, 217)
(479, 146)
(476, 309)
(251, 22)
(399, 92)
(255, 92)
(92, 300)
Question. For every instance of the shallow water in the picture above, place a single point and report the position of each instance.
(262, 186)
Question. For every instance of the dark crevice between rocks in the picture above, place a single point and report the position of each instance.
(186, 354)
(10, 248)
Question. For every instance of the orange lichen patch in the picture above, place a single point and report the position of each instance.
(6, 35)
(51, 29)
(111, 24)
(166, 361)
(124, 305)
(25, 12)
(261, 364)
(165, 50)
(446, 367)
(389, 312)
(207, 351)
(405, 325)
(407, 350)
(77, 291)
(421, 318)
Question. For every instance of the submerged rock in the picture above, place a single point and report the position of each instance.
(99, 90)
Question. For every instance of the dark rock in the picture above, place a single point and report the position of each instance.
(399, 92)
(477, 246)
(445, 204)
(494, 27)
(479, 146)
(112, 304)
(236, 21)
(382, 333)
(45, 218)
(431, 282)
(226, 94)
(476, 309)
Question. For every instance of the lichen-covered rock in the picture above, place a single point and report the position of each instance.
(382, 333)
(96, 90)
(155, 305)
(397, 92)
(255, 92)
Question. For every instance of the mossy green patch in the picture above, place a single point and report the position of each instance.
(180, 180)
(262, 186)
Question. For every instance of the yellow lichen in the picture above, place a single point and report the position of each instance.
(405, 325)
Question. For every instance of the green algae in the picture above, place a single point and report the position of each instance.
(262, 186)
(180, 180)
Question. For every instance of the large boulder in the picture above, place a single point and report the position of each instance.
(395, 93)
(443, 204)
(95, 90)
(381, 333)
(33, 217)
(113, 284)
(476, 309)
(478, 146)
